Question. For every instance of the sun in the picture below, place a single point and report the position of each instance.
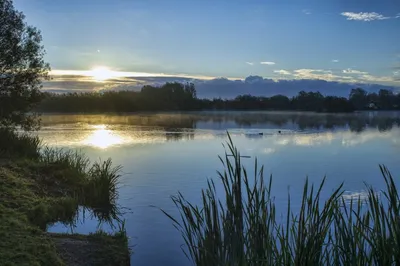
(101, 73)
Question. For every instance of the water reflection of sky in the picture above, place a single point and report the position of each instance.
(165, 153)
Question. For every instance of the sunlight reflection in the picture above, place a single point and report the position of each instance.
(102, 138)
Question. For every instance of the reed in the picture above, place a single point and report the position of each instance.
(242, 226)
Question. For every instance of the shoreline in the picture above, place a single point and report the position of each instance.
(40, 189)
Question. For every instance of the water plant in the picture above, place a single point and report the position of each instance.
(242, 227)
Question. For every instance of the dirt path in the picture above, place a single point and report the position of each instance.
(76, 252)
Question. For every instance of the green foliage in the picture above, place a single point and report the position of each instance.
(113, 249)
(68, 159)
(22, 242)
(64, 172)
(101, 188)
(94, 187)
(46, 186)
(22, 68)
(102, 248)
(14, 144)
(242, 227)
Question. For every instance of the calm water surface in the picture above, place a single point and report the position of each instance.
(164, 153)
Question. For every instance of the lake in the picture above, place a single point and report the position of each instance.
(164, 153)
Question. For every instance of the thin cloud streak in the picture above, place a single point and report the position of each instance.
(121, 74)
(363, 16)
(282, 72)
(353, 71)
(267, 63)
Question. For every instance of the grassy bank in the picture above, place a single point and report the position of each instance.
(242, 227)
(41, 186)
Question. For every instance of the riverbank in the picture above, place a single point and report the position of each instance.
(40, 187)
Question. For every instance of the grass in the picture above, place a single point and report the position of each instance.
(242, 227)
(22, 241)
(105, 248)
(14, 145)
(40, 186)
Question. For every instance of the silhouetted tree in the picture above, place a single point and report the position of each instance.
(337, 104)
(358, 98)
(183, 97)
(386, 99)
(308, 101)
(22, 68)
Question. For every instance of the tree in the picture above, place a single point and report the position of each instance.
(22, 68)
(386, 99)
(308, 101)
(358, 98)
(335, 104)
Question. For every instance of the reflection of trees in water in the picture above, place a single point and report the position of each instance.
(312, 121)
(174, 134)
(182, 125)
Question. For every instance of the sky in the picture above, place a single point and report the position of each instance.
(348, 41)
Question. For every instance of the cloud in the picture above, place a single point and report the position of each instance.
(250, 63)
(306, 11)
(267, 63)
(351, 76)
(282, 72)
(353, 71)
(118, 74)
(363, 16)
(376, 79)
(320, 74)
(335, 61)
(328, 82)
(398, 15)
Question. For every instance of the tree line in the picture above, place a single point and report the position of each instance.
(182, 97)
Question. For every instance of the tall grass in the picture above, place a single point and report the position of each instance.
(66, 158)
(64, 173)
(13, 144)
(242, 227)
(95, 186)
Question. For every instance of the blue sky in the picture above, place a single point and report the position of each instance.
(347, 41)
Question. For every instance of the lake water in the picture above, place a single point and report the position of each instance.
(162, 154)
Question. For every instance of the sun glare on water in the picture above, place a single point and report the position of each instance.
(102, 138)
(101, 73)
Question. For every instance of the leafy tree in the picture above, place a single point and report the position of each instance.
(386, 99)
(358, 98)
(308, 101)
(22, 68)
(337, 104)
(373, 98)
